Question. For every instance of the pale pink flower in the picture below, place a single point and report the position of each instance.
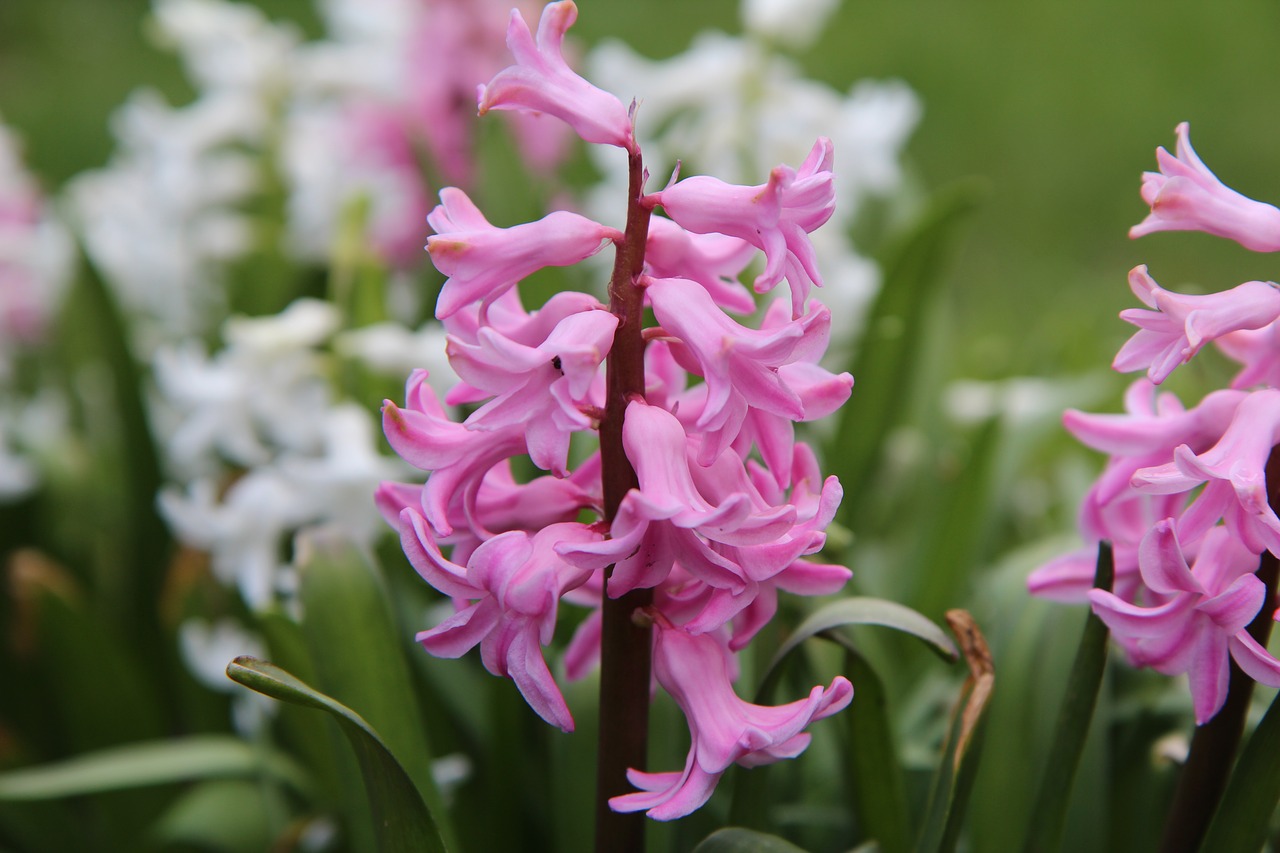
(697, 671)
(1180, 325)
(515, 581)
(483, 261)
(542, 388)
(741, 365)
(1185, 196)
(542, 82)
(1258, 350)
(459, 458)
(1202, 620)
(775, 217)
(712, 260)
(1235, 471)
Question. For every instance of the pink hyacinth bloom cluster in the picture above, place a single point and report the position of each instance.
(1184, 497)
(449, 45)
(725, 505)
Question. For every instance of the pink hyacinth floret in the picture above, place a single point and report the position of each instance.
(695, 670)
(1180, 325)
(775, 217)
(1185, 196)
(542, 82)
(1203, 619)
(483, 261)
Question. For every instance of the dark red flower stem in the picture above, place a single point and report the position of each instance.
(625, 642)
(1213, 747)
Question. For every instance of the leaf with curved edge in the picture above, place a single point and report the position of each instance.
(735, 839)
(750, 794)
(402, 821)
(138, 765)
(848, 612)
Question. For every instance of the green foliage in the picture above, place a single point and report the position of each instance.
(402, 821)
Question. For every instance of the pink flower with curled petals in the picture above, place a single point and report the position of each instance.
(1201, 624)
(741, 366)
(1180, 325)
(1235, 470)
(697, 671)
(515, 581)
(1185, 196)
(543, 388)
(712, 260)
(776, 217)
(542, 82)
(483, 261)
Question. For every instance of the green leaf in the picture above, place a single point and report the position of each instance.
(847, 612)
(885, 365)
(152, 763)
(750, 794)
(1243, 818)
(231, 816)
(359, 656)
(1050, 811)
(735, 839)
(402, 821)
(875, 773)
(953, 782)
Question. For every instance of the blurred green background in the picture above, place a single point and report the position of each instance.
(1058, 105)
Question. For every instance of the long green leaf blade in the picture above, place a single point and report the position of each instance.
(402, 821)
(138, 765)
(1049, 815)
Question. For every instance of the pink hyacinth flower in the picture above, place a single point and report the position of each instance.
(515, 581)
(712, 260)
(483, 261)
(541, 388)
(1235, 470)
(741, 365)
(1180, 325)
(696, 671)
(1258, 350)
(1185, 196)
(775, 217)
(1202, 622)
(542, 82)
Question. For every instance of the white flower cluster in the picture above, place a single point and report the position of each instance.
(35, 261)
(264, 445)
(735, 106)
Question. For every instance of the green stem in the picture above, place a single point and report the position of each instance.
(1213, 747)
(625, 642)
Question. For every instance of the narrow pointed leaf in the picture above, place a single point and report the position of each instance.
(151, 763)
(1243, 819)
(402, 821)
(875, 773)
(1050, 812)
